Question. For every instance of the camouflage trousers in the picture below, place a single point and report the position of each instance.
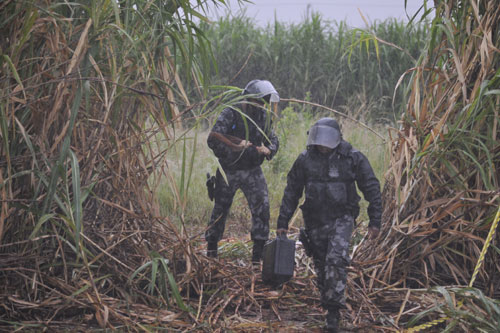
(331, 257)
(253, 184)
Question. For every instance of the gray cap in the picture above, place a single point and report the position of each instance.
(325, 132)
(262, 88)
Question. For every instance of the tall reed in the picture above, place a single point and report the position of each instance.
(86, 89)
(333, 64)
(441, 195)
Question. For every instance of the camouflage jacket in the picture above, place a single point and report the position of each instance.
(233, 123)
(330, 182)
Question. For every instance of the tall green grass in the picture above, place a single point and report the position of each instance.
(333, 64)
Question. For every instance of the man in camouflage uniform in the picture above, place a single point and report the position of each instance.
(328, 170)
(239, 142)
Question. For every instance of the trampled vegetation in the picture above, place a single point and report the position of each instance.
(97, 96)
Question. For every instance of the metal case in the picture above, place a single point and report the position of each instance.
(278, 260)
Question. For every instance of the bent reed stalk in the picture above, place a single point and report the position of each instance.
(86, 86)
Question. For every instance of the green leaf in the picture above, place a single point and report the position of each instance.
(139, 270)
(39, 224)
(4, 128)
(154, 273)
(88, 285)
(116, 11)
(57, 168)
(77, 200)
(174, 288)
(13, 70)
(26, 30)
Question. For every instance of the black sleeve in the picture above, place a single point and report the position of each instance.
(370, 187)
(293, 191)
(272, 145)
(222, 126)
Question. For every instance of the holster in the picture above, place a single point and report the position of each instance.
(211, 186)
(306, 242)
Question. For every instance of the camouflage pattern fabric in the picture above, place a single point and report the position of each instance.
(330, 208)
(329, 182)
(242, 168)
(243, 126)
(331, 257)
(254, 187)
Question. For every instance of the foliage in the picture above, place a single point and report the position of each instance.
(441, 192)
(91, 97)
(466, 309)
(90, 93)
(160, 281)
(328, 61)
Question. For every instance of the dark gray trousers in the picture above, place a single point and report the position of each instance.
(253, 184)
(331, 257)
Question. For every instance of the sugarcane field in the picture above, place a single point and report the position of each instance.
(164, 170)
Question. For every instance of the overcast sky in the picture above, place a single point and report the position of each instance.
(294, 11)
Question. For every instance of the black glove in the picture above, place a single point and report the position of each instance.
(211, 186)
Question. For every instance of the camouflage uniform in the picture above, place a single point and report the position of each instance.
(331, 206)
(242, 169)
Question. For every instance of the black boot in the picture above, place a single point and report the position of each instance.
(332, 320)
(212, 249)
(258, 248)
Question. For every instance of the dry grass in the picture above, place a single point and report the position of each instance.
(441, 192)
(82, 242)
(442, 187)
